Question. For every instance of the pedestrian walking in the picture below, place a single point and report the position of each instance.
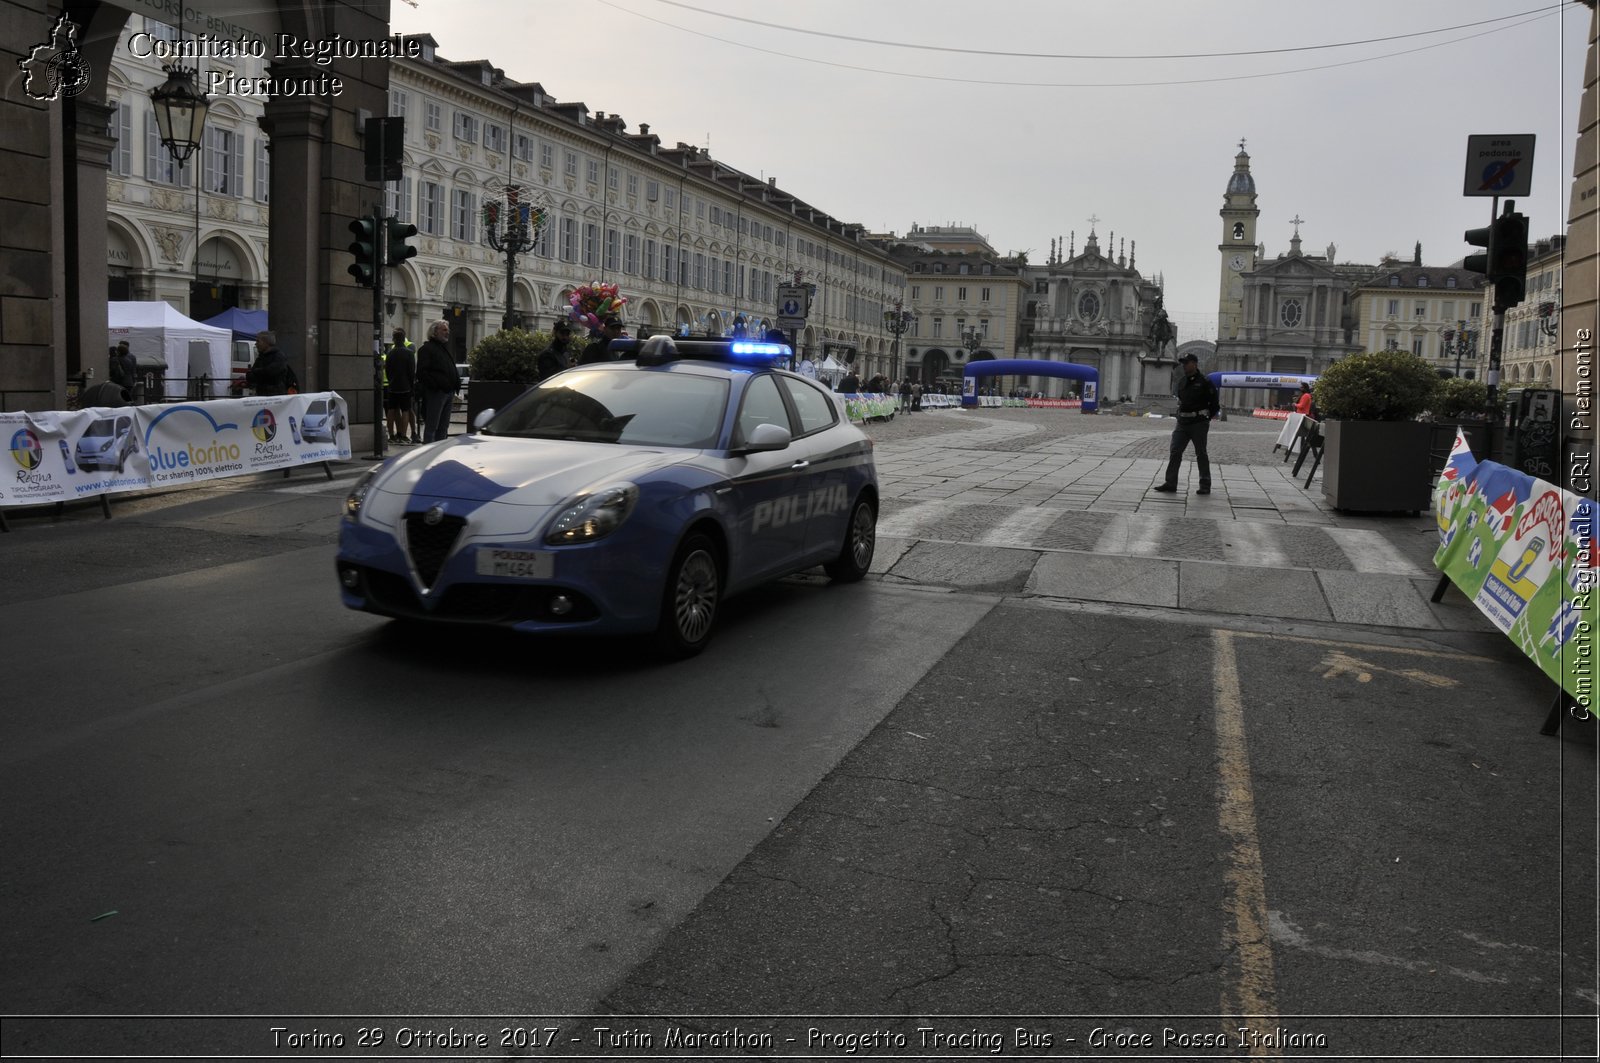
(400, 369)
(1198, 405)
(124, 368)
(270, 374)
(438, 380)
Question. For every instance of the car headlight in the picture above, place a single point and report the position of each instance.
(594, 516)
(358, 494)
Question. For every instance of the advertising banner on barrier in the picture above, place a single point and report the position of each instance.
(56, 456)
(1524, 552)
(869, 407)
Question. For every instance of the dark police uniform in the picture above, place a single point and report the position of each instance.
(1198, 403)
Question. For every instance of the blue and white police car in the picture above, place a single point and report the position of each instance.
(629, 496)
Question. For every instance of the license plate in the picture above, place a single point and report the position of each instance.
(516, 564)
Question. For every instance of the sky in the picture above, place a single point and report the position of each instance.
(1024, 119)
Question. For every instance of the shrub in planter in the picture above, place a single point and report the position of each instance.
(1375, 452)
(1376, 386)
(503, 366)
(1459, 397)
(510, 354)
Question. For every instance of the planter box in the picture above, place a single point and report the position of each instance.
(1377, 466)
(490, 395)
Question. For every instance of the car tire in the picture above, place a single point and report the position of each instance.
(860, 540)
(689, 602)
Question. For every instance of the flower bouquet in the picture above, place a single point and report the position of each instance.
(592, 303)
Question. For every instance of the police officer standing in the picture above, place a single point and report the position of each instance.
(1198, 405)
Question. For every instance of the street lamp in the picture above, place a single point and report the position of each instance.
(513, 229)
(180, 123)
(1549, 323)
(1458, 341)
(972, 338)
(896, 322)
(180, 113)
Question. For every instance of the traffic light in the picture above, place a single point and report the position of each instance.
(399, 233)
(1508, 258)
(1483, 238)
(365, 250)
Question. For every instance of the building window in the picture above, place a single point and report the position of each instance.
(494, 136)
(652, 190)
(1473, 309)
(1416, 347)
(224, 162)
(727, 278)
(916, 292)
(569, 239)
(1394, 280)
(119, 127)
(1450, 282)
(613, 178)
(984, 294)
(670, 201)
(397, 198)
(399, 103)
(522, 147)
(430, 208)
(699, 270)
(1238, 230)
(613, 249)
(1421, 310)
(591, 244)
(264, 173)
(466, 127)
(158, 165)
(630, 254)
(633, 186)
(699, 209)
(547, 156)
(938, 327)
(683, 267)
(592, 171)
(433, 116)
(571, 165)
(461, 216)
(1291, 313)
(961, 295)
(938, 293)
(1394, 307)
(1422, 281)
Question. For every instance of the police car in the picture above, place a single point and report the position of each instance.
(629, 496)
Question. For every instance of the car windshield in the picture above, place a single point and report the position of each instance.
(646, 409)
(103, 427)
(317, 409)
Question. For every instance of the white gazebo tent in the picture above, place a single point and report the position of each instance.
(831, 371)
(161, 338)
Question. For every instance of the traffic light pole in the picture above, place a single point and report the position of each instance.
(380, 256)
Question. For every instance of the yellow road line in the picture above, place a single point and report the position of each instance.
(1455, 655)
(1249, 988)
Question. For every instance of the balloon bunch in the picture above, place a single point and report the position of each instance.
(592, 303)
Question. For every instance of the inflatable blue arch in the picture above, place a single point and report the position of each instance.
(1028, 367)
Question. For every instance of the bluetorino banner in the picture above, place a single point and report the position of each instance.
(1523, 550)
(59, 456)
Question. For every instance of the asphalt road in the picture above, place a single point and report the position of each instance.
(903, 804)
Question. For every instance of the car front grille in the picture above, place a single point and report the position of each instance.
(482, 603)
(429, 544)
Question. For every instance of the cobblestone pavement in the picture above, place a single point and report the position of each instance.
(1236, 441)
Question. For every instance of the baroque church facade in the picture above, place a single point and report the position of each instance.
(1094, 308)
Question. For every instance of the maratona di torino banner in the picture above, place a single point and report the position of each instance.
(58, 456)
(1524, 552)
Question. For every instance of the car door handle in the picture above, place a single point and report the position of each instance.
(801, 464)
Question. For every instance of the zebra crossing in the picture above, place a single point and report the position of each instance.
(1255, 544)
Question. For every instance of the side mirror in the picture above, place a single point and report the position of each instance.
(483, 418)
(766, 437)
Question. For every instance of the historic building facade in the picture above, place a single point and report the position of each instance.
(695, 245)
(1425, 310)
(965, 299)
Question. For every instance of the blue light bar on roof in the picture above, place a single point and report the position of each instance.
(760, 349)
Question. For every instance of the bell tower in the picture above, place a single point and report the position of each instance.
(1238, 246)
